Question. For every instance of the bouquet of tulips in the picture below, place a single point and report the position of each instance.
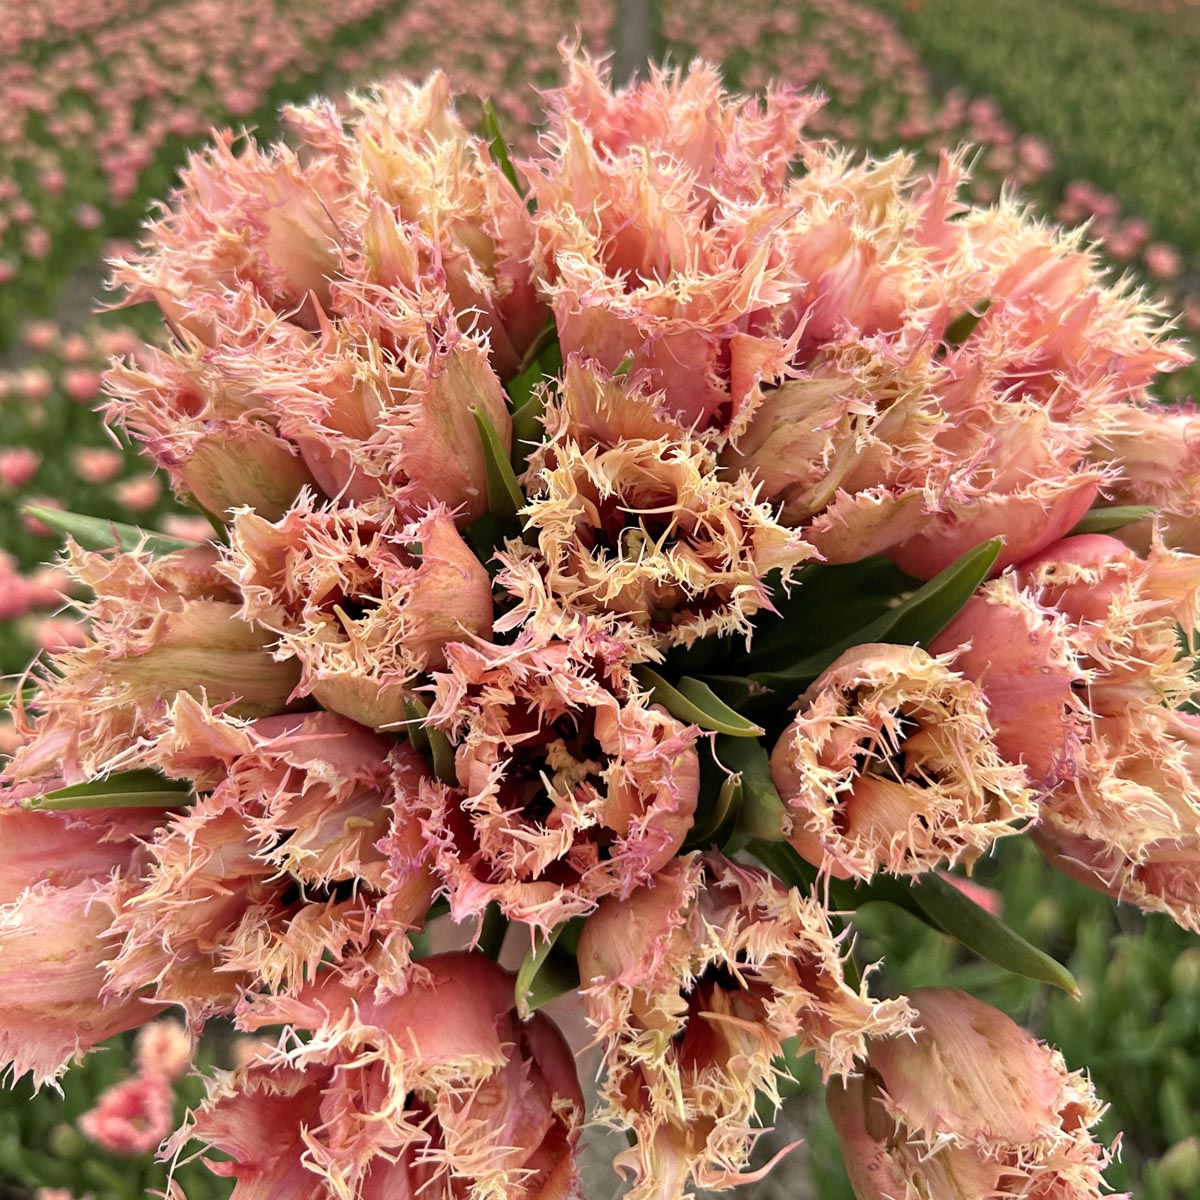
(628, 560)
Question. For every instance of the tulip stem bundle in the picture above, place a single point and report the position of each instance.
(630, 560)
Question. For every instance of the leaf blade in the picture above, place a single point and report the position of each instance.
(915, 621)
(696, 703)
(95, 533)
(505, 498)
(121, 789)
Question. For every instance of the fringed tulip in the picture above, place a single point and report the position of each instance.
(286, 863)
(694, 983)
(640, 527)
(442, 1093)
(158, 627)
(1020, 656)
(890, 766)
(53, 941)
(364, 600)
(568, 789)
(968, 1105)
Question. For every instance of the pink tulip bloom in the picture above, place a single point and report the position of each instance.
(364, 601)
(441, 1092)
(157, 627)
(694, 982)
(298, 854)
(631, 520)
(18, 466)
(890, 766)
(968, 1105)
(1020, 655)
(53, 941)
(571, 787)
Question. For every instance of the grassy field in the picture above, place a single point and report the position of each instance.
(1101, 121)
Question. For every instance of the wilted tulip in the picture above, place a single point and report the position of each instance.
(890, 766)
(969, 1105)
(441, 1093)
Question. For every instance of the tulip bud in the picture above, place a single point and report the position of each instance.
(53, 941)
(969, 1105)
(158, 627)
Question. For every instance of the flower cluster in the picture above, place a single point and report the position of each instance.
(663, 543)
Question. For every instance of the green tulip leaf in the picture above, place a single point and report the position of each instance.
(122, 789)
(95, 533)
(549, 970)
(505, 498)
(499, 146)
(916, 620)
(1109, 520)
(695, 702)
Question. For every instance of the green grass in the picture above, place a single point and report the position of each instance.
(1113, 91)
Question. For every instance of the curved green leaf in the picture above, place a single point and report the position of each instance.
(505, 497)
(986, 935)
(824, 604)
(1109, 520)
(964, 324)
(762, 815)
(716, 809)
(549, 970)
(95, 533)
(527, 429)
(914, 621)
(123, 789)
(696, 703)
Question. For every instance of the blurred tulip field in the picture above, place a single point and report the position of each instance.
(1088, 108)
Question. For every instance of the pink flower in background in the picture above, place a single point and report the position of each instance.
(132, 1117)
(18, 466)
(163, 1048)
(97, 464)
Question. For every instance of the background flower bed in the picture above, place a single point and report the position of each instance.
(897, 74)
